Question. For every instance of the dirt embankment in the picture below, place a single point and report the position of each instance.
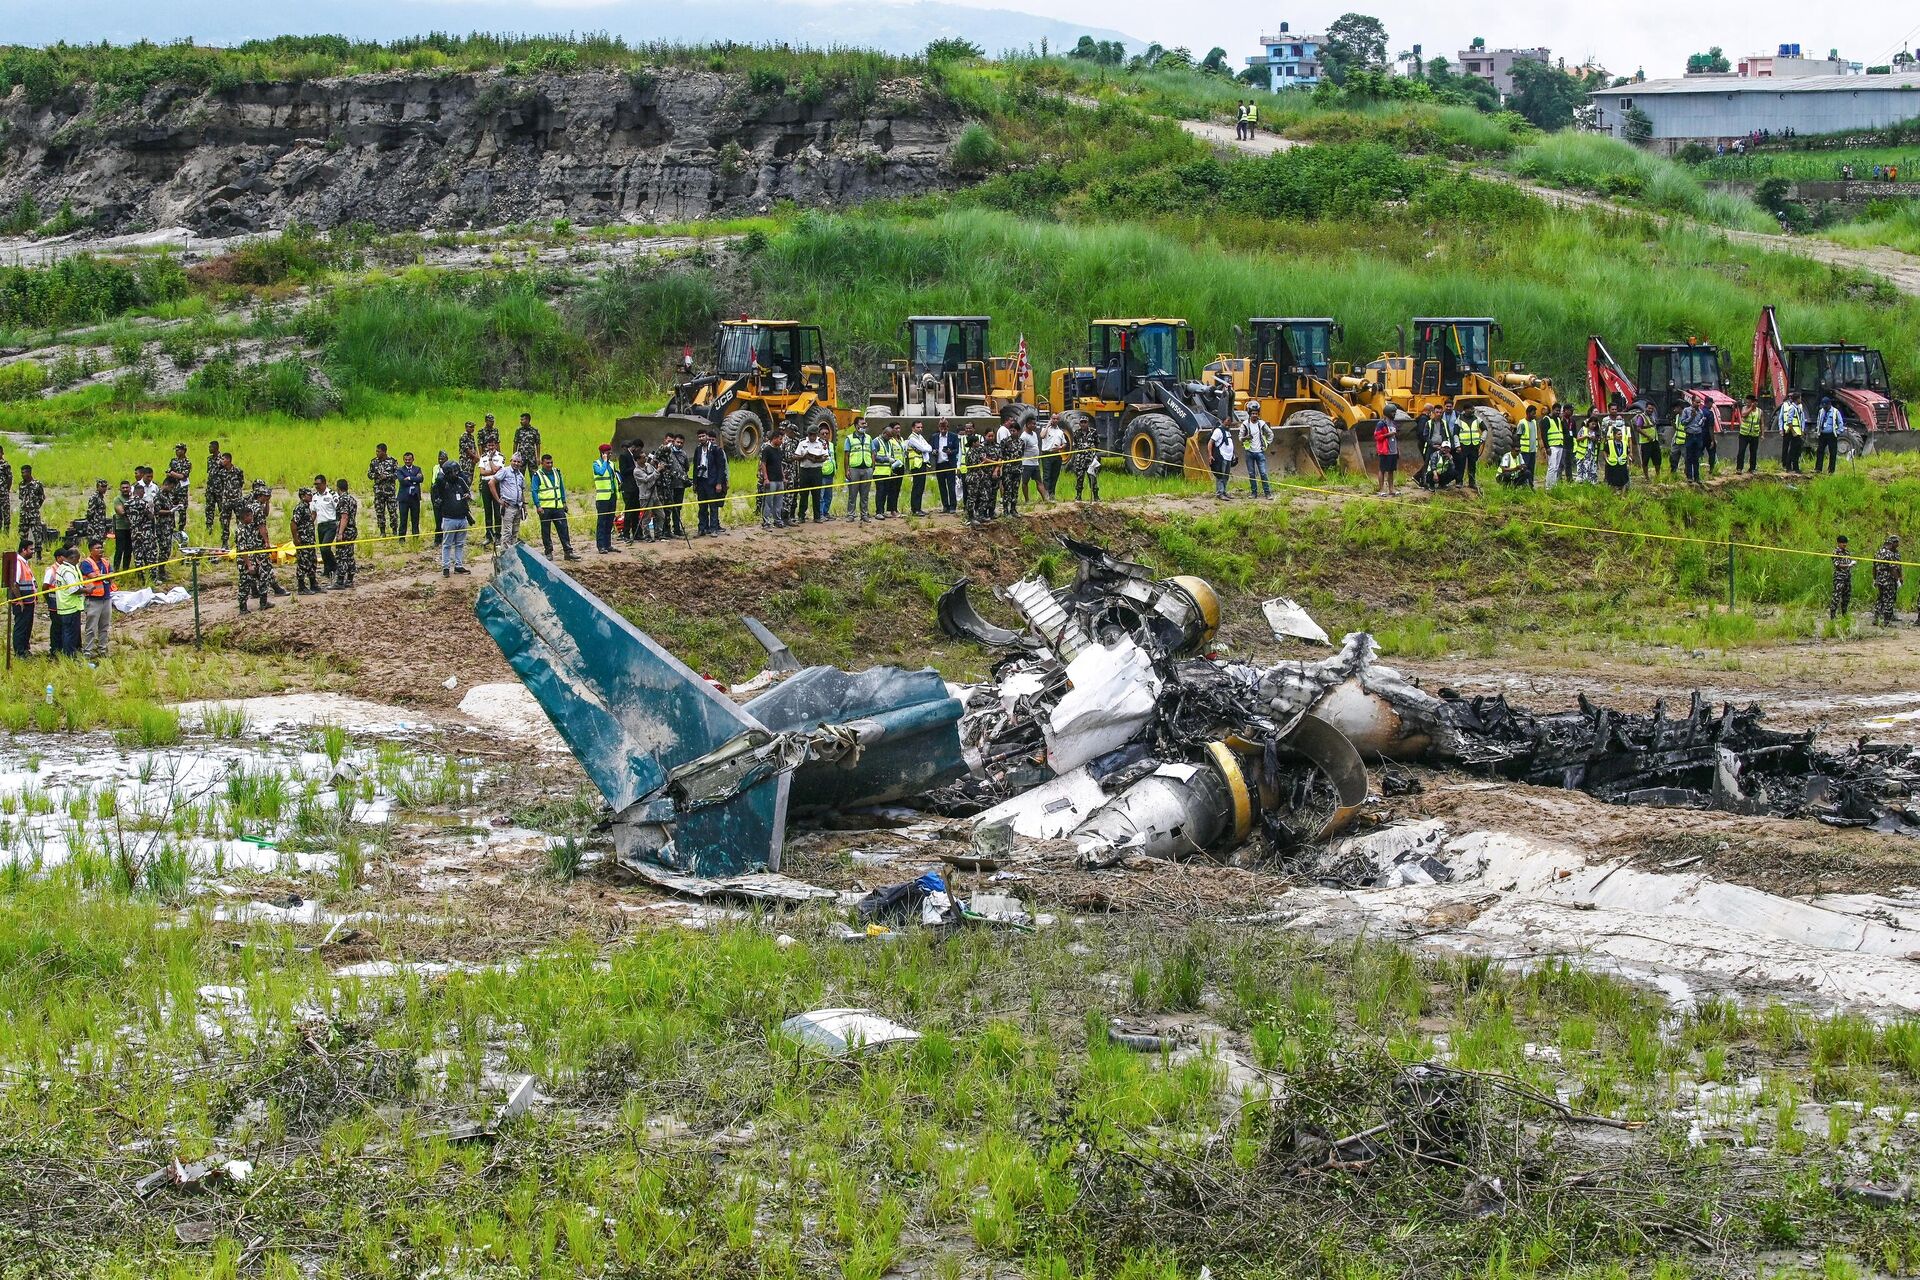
(406, 151)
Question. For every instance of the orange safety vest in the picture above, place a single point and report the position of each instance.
(96, 583)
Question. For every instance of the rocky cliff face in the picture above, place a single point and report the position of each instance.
(415, 150)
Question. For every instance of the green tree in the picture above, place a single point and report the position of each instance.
(1713, 60)
(1215, 63)
(1354, 40)
(1088, 49)
(1636, 127)
(1549, 99)
(953, 49)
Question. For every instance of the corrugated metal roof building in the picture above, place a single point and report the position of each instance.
(1713, 108)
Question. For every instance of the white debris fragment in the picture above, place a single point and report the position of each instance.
(843, 1031)
(1289, 621)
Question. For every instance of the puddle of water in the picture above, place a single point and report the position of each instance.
(213, 807)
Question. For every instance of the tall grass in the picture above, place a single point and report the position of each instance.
(1886, 226)
(1808, 166)
(1609, 167)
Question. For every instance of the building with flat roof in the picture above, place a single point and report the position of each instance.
(1292, 59)
(1495, 66)
(1788, 63)
(1709, 109)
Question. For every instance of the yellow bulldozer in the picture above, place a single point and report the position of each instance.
(950, 372)
(1290, 374)
(1450, 364)
(765, 373)
(1138, 392)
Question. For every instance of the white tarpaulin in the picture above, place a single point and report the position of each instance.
(1112, 699)
(140, 597)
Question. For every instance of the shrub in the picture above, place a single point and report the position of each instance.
(84, 289)
(21, 380)
(975, 150)
(226, 388)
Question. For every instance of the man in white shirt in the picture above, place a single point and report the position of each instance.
(1053, 452)
(326, 523)
(919, 460)
(492, 461)
(809, 456)
(1220, 457)
(1029, 463)
(1829, 424)
(1257, 435)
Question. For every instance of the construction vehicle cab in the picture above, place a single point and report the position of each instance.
(950, 371)
(765, 373)
(1138, 391)
(1290, 374)
(1670, 376)
(1852, 376)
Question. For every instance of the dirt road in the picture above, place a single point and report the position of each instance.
(1900, 270)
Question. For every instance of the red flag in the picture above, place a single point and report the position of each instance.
(1022, 370)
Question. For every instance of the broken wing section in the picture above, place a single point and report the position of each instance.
(632, 714)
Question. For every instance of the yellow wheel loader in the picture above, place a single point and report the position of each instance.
(766, 373)
(950, 372)
(1138, 391)
(1290, 375)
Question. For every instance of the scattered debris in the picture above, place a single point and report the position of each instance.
(760, 888)
(925, 900)
(843, 1031)
(200, 1172)
(1288, 621)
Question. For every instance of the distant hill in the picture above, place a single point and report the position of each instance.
(885, 24)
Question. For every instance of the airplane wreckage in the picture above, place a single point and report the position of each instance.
(1107, 724)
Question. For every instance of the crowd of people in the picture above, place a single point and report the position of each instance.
(1560, 444)
(977, 467)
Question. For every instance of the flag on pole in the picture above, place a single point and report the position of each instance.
(1022, 370)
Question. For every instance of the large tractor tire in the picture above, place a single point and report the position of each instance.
(817, 417)
(1155, 446)
(1324, 436)
(1500, 434)
(742, 432)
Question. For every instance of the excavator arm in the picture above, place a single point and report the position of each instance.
(1605, 378)
(1769, 358)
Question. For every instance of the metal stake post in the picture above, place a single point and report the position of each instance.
(193, 569)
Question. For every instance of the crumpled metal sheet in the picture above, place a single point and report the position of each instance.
(1112, 698)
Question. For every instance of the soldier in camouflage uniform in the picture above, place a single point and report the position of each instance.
(1886, 581)
(261, 500)
(250, 553)
(140, 526)
(489, 435)
(96, 523)
(468, 451)
(1010, 475)
(346, 516)
(978, 487)
(210, 487)
(169, 521)
(232, 480)
(789, 505)
(384, 471)
(526, 443)
(1840, 603)
(6, 492)
(306, 561)
(1085, 460)
(33, 497)
(181, 465)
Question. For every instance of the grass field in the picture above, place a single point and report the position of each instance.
(1608, 167)
(680, 1133)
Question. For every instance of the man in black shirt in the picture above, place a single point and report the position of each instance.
(452, 500)
(773, 481)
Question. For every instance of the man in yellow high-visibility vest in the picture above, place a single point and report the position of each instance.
(606, 496)
(550, 504)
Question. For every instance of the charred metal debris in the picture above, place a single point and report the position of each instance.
(1107, 724)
